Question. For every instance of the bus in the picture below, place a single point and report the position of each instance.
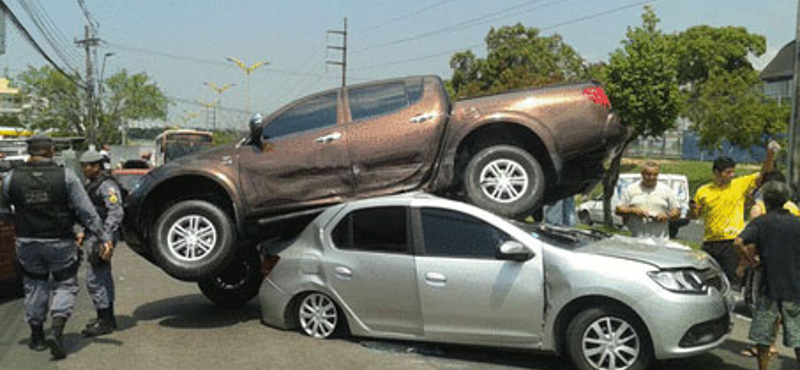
(173, 144)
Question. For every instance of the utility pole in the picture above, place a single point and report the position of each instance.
(89, 42)
(343, 49)
(794, 145)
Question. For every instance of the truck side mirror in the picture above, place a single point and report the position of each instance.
(255, 132)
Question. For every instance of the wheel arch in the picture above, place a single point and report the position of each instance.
(574, 307)
(517, 132)
(186, 187)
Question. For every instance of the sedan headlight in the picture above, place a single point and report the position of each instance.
(679, 281)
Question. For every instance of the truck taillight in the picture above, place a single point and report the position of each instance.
(597, 95)
(268, 263)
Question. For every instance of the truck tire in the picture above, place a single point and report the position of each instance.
(237, 283)
(599, 335)
(505, 180)
(193, 240)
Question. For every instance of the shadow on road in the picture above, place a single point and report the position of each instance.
(191, 311)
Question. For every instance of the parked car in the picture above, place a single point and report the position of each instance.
(506, 153)
(418, 267)
(591, 211)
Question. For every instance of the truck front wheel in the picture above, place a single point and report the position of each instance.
(194, 240)
(505, 180)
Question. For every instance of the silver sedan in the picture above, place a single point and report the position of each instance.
(418, 267)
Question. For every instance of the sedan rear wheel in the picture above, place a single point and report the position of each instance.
(318, 316)
(608, 338)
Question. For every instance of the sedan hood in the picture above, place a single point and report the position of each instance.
(664, 255)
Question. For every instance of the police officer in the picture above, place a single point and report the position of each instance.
(47, 200)
(105, 193)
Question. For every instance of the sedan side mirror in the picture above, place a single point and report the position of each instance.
(514, 251)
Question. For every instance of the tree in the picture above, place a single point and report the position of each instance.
(724, 94)
(51, 101)
(517, 57)
(642, 84)
(731, 106)
(55, 103)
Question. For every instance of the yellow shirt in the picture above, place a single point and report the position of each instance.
(789, 206)
(724, 207)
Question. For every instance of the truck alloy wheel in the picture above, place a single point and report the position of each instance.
(193, 240)
(607, 338)
(505, 180)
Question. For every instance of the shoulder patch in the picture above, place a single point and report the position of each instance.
(112, 196)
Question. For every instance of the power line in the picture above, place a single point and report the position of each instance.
(450, 28)
(143, 51)
(48, 33)
(403, 17)
(36, 45)
(564, 23)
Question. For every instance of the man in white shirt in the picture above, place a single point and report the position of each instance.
(647, 205)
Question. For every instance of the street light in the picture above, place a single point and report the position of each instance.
(219, 90)
(207, 106)
(247, 71)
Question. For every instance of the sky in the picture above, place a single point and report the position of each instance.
(182, 45)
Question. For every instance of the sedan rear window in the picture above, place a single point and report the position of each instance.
(373, 230)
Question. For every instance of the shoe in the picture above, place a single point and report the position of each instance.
(56, 344)
(37, 342)
(102, 326)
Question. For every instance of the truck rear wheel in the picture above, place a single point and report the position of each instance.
(194, 240)
(237, 283)
(505, 180)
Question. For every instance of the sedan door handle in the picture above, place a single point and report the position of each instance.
(422, 118)
(435, 279)
(328, 138)
(343, 272)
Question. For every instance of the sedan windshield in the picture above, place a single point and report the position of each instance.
(562, 237)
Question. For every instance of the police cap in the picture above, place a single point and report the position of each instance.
(91, 156)
(39, 144)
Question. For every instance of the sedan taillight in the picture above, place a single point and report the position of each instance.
(268, 263)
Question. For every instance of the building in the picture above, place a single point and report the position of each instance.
(777, 75)
(9, 98)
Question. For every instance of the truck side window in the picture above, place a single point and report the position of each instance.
(377, 100)
(312, 114)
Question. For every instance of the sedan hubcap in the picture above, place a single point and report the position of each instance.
(611, 344)
(504, 180)
(191, 238)
(318, 316)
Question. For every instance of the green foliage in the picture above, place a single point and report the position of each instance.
(732, 106)
(52, 101)
(55, 103)
(517, 57)
(226, 137)
(642, 80)
(703, 49)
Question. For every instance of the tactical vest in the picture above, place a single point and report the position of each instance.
(96, 197)
(38, 191)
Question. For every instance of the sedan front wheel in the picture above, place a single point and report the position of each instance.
(608, 338)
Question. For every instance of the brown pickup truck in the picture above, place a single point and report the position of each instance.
(508, 153)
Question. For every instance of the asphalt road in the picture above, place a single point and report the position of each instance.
(167, 324)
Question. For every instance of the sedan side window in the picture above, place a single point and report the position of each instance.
(380, 229)
(455, 234)
(312, 114)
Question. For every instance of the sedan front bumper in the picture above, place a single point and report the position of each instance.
(682, 325)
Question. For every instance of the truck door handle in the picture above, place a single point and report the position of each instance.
(435, 279)
(328, 138)
(343, 272)
(422, 118)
